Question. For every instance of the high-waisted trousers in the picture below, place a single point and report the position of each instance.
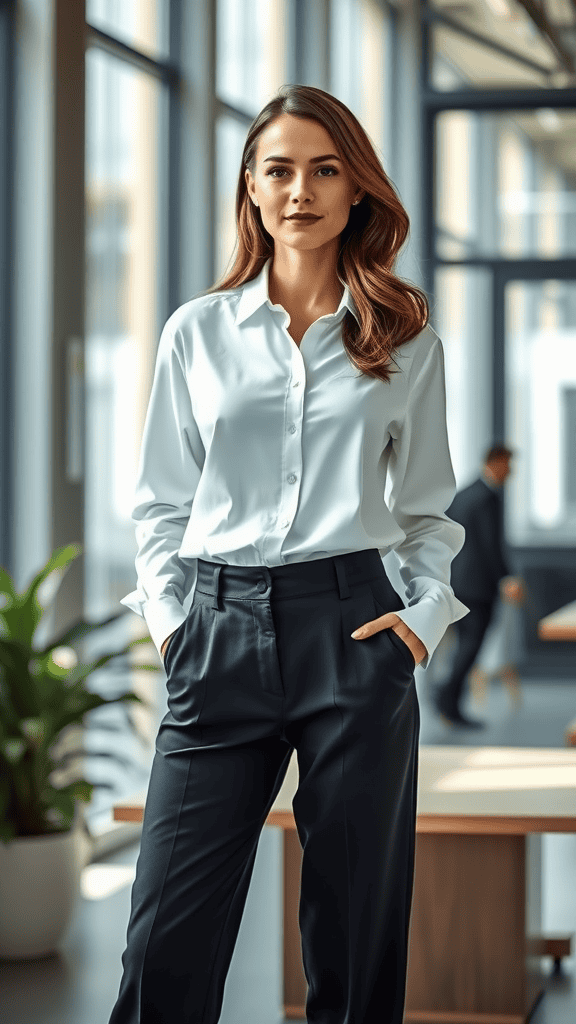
(264, 664)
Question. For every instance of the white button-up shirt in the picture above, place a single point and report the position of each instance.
(257, 451)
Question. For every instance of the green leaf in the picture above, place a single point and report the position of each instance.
(60, 559)
(34, 729)
(62, 800)
(83, 790)
(80, 629)
(13, 750)
(6, 583)
(26, 611)
(42, 692)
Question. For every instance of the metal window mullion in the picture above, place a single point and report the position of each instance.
(170, 169)
(226, 109)
(7, 340)
(166, 70)
(498, 99)
(434, 17)
(531, 268)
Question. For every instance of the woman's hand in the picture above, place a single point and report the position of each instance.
(392, 620)
(166, 642)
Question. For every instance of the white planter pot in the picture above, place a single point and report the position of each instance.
(39, 886)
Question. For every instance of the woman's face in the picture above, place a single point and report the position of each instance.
(299, 183)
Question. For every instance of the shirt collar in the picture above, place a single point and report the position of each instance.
(255, 293)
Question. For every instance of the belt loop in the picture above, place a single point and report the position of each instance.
(216, 580)
(340, 567)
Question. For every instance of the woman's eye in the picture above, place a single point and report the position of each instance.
(274, 169)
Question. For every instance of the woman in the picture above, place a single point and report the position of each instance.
(262, 475)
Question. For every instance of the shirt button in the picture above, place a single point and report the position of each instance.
(262, 586)
(292, 428)
(291, 479)
(296, 384)
(286, 522)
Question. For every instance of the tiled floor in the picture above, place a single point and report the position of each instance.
(79, 985)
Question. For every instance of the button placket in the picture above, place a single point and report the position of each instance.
(285, 518)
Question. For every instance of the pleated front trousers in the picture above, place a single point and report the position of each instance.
(264, 664)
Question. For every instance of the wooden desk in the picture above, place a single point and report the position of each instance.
(560, 625)
(475, 931)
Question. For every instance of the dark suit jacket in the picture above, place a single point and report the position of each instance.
(481, 563)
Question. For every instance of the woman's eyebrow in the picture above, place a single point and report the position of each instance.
(313, 159)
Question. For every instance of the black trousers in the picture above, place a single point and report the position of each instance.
(470, 632)
(264, 664)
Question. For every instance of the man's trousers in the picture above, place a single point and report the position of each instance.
(470, 633)
(265, 664)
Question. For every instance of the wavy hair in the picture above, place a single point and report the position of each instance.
(391, 311)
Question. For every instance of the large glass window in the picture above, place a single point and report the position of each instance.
(360, 66)
(125, 305)
(251, 46)
(505, 184)
(230, 139)
(521, 57)
(540, 359)
(251, 51)
(125, 292)
(462, 299)
(143, 24)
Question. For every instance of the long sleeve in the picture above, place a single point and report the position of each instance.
(423, 486)
(167, 479)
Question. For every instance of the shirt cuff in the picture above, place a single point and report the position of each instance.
(429, 619)
(162, 616)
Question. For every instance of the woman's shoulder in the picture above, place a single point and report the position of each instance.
(200, 309)
(416, 351)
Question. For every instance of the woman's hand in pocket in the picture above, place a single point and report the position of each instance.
(391, 620)
(166, 642)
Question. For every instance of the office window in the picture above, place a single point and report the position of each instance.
(462, 295)
(143, 24)
(361, 66)
(230, 139)
(504, 184)
(251, 51)
(125, 303)
(251, 65)
(457, 58)
(125, 288)
(540, 359)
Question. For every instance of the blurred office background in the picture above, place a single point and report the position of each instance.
(122, 124)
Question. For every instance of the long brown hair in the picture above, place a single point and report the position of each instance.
(391, 311)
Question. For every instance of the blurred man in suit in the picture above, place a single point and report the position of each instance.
(476, 573)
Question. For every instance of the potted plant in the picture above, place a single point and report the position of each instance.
(43, 697)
